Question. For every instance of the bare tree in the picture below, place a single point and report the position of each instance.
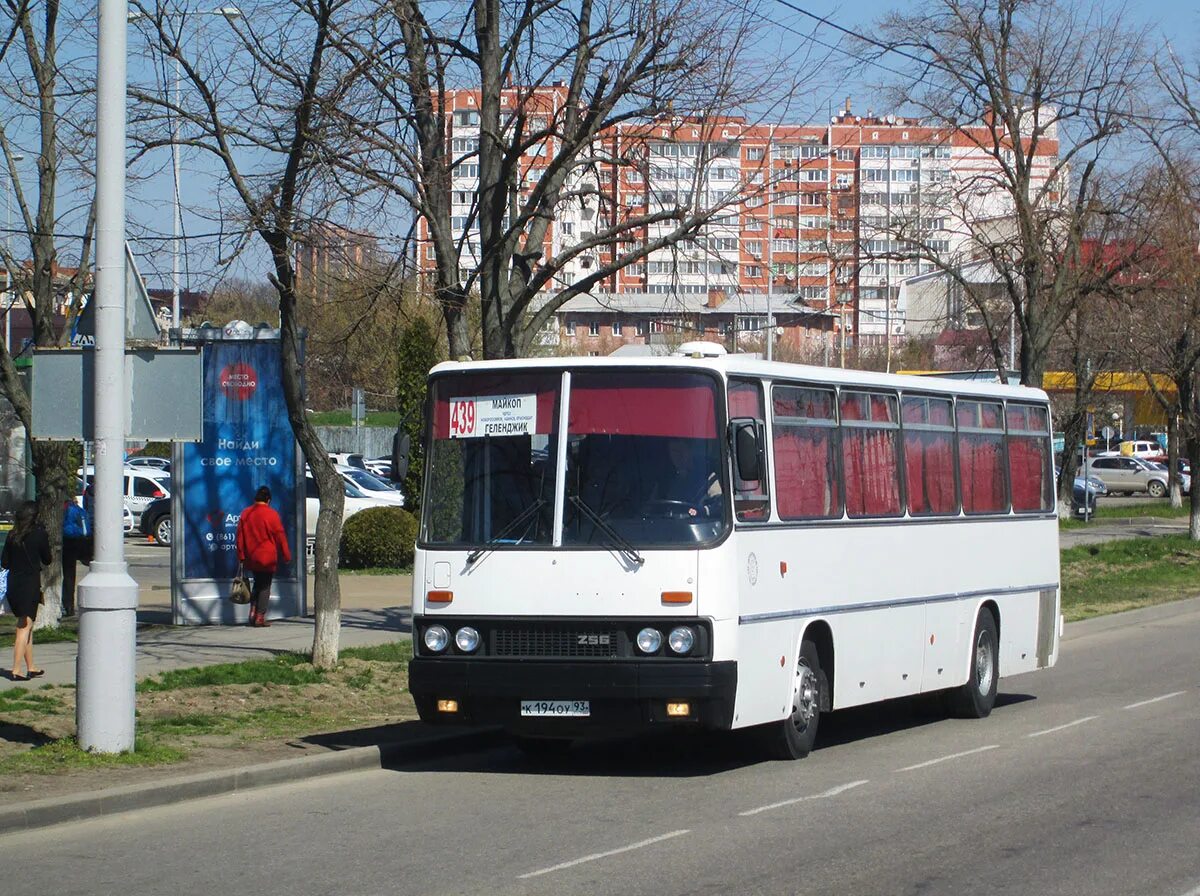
(261, 109)
(1038, 91)
(1164, 313)
(559, 88)
(42, 100)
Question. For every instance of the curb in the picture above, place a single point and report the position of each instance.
(79, 807)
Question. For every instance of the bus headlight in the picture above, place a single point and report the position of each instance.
(436, 638)
(649, 640)
(681, 640)
(466, 639)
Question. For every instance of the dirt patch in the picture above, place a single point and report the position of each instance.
(196, 729)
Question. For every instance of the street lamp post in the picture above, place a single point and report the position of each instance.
(8, 297)
(228, 13)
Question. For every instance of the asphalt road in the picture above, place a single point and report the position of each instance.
(1084, 780)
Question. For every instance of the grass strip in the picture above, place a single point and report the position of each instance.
(67, 630)
(1123, 575)
(285, 668)
(1121, 511)
(64, 754)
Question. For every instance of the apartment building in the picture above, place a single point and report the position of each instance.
(821, 223)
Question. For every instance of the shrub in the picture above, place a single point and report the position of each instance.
(379, 536)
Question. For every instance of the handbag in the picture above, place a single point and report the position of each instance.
(239, 589)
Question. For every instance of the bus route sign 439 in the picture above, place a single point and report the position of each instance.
(493, 415)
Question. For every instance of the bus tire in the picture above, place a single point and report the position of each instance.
(794, 737)
(542, 747)
(975, 699)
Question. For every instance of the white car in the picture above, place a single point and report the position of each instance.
(355, 501)
(348, 459)
(371, 486)
(142, 485)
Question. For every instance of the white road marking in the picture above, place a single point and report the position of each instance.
(1062, 727)
(910, 768)
(842, 788)
(604, 855)
(1156, 700)
(1195, 891)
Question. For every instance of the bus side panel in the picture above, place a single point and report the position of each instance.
(768, 652)
(1018, 632)
(945, 637)
(877, 654)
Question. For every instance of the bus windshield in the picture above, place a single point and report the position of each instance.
(643, 457)
(643, 460)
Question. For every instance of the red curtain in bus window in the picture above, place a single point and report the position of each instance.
(745, 400)
(872, 476)
(982, 472)
(804, 487)
(684, 411)
(1027, 472)
(929, 465)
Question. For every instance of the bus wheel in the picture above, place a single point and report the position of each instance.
(975, 699)
(542, 747)
(793, 737)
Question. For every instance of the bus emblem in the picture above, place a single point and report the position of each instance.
(593, 640)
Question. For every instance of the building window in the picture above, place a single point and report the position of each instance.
(570, 328)
(815, 174)
(845, 155)
(616, 328)
(754, 247)
(641, 328)
(753, 271)
(754, 153)
(594, 328)
(753, 224)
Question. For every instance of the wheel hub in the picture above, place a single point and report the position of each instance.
(984, 660)
(805, 697)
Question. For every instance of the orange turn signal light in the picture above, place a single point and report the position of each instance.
(677, 597)
(679, 709)
(447, 706)
(439, 597)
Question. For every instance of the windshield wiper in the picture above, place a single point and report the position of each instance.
(520, 518)
(604, 526)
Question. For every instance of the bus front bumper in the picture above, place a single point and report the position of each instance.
(621, 695)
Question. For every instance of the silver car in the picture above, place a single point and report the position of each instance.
(1126, 475)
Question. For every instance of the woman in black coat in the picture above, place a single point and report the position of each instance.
(26, 551)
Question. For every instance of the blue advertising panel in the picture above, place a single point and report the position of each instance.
(247, 443)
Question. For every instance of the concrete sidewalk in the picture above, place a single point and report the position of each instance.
(375, 610)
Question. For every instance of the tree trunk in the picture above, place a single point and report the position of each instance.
(327, 592)
(453, 304)
(51, 467)
(1173, 457)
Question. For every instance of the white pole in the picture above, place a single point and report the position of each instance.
(770, 291)
(177, 221)
(104, 714)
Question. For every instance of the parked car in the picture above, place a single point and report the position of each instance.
(150, 463)
(83, 499)
(349, 460)
(1145, 449)
(379, 466)
(142, 485)
(156, 521)
(372, 486)
(1126, 475)
(355, 501)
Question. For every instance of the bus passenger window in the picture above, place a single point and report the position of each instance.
(804, 440)
(981, 462)
(751, 501)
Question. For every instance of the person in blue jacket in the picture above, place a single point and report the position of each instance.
(76, 547)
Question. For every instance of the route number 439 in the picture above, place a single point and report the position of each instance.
(462, 418)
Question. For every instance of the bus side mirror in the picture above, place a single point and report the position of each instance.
(747, 448)
(400, 451)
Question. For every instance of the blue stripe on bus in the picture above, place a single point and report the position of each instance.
(882, 605)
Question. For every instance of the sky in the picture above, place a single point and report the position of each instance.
(150, 203)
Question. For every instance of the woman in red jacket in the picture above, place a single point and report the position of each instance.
(261, 543)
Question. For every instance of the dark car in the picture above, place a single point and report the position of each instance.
(156, 521)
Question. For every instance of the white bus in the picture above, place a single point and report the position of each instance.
(721, 542)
